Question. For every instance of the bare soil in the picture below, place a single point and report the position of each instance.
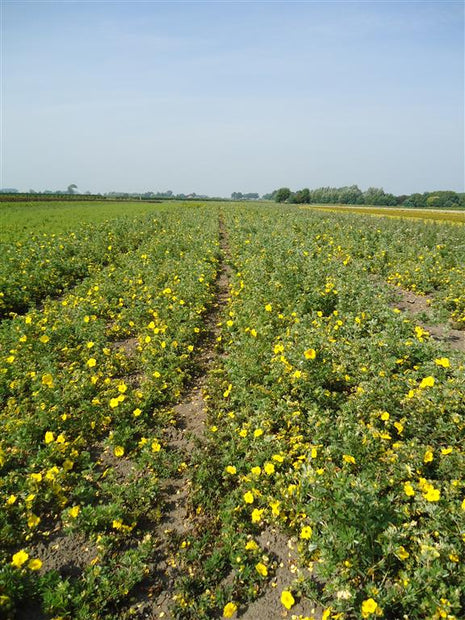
(156, 598)
(421, 305)
(284, 550)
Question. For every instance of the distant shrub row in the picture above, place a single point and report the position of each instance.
(353, 195)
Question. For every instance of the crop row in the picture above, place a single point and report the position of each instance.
(425, 257)
(19, 219)
(335, 419)
(86, 385)
(47, 264)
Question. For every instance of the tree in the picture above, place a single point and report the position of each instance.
(269, 196)
(349, 195)
(282, 194)
(71, 188)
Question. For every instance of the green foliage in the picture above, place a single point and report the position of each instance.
(331, 416)
(282, 194)
(87, 381)
(335, 418)
(352, 195)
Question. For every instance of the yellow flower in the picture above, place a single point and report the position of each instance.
(278, 458)
(229, 610)
(268, 307)
(156, 447)
(428, 456)
(463, 505)
(47, 380)
(275, 508)
(33, 520)
(118, 451)
(74, 511)
(117, 524)
(248, 498)
(442, 361)
(44, 339)
(426, 382)
(432, 494)
(51, 473)
(114, 402)
(11, 500)
(231, 470)
(35, 564)
(385, 416)
(369, 606)
(408, 489)
(257, 470)
(402, 553)
(420, 332)
(269, 468)
(49, 437)
(310, 354)
(257, 515)
(251, 545)
(19, 558)
(257, 433)
(399, 427)
(306, 532)
(287, 599)
(348, 458)
(91, 362)
(261, 569)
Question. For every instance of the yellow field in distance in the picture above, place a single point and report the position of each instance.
(457, 217)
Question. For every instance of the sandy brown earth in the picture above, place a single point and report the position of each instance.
(421, 305)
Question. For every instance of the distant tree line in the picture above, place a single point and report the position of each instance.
(241, 196)
(353, 195)
(12, 195)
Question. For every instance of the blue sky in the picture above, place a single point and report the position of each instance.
(216, 97)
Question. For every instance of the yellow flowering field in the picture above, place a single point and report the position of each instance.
(46, 249)
(336, 419)
(438, 215)
(87, 381)
(331, 417)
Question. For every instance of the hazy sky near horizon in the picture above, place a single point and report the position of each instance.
(215, 97)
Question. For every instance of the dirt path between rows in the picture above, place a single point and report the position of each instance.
(414, 305)
(156, 596)
(282, 550)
